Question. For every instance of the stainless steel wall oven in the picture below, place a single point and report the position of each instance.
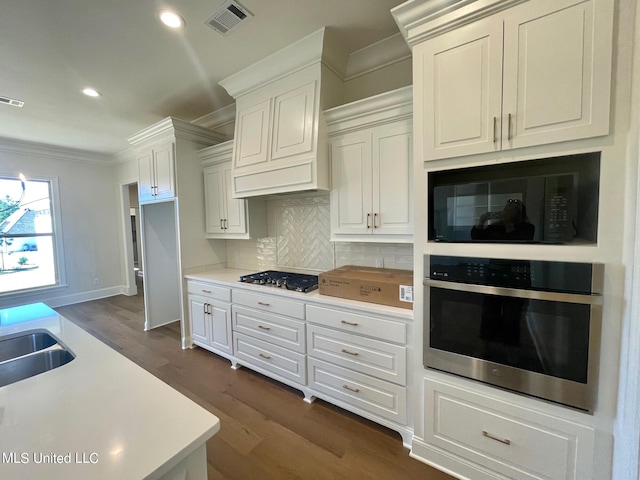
(528, 326)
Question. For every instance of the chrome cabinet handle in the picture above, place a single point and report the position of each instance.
(375, 217)
(206, 291)
(264, 328)
(264, 304)
(509, 128)
(355, 354)
(264, 356)
(354, 390)
(221, 225)
(348, 323)
(226, 224)
(368, 218)
(497, 439)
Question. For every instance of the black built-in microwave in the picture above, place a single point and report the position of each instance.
(551, 200)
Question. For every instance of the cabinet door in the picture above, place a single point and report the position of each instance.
(221, 326)
(235, 218)
(293, 122)
(163, 163)
(198, 318)
(214, 198)
(145, 176)
(252, 135)
(459, 78)
(554, 87)
(392, 181)
(351, 196)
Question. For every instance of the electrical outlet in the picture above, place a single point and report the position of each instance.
(379, 262)
(96, 281)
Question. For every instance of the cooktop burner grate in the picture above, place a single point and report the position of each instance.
(299, 282)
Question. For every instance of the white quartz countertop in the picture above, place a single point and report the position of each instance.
(230, 277)
(100, 416)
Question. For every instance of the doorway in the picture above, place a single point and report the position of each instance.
(131, 230)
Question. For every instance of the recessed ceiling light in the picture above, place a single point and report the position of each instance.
(171, 19)
(91, 92)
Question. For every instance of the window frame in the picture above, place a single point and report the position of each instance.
(56, 236)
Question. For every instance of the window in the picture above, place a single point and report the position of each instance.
(29, 247)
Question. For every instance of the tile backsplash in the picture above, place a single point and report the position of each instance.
(298, 232)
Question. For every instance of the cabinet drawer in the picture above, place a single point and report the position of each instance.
(365, 355)
(356, 323)
(517, 442)
(282, 331)
(209, 290)
(269, 303)
(275, 359)
(367, 393)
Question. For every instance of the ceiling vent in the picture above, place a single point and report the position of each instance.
(228, 16)
(11, 101)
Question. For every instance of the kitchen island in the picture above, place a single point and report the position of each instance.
(100, 416)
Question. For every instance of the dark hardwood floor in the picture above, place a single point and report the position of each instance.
(267, 430)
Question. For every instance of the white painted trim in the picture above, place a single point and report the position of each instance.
(8, 145)
(376, 56)
(626, 453)
(420, 20)
(127, 238)
(171, 127)
(220, 118)
(216, 153)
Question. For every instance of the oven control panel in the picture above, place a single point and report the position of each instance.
(570, 277)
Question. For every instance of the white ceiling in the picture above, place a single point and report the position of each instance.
(50, 50)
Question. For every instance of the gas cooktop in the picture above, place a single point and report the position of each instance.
(299, 282)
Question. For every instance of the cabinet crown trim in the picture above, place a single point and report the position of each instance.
(216, 153)
(419, 20)
(312, 49)
(379, 109)
(174, 127)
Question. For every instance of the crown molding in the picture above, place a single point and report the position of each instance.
(371, 111)
(386, 52)
(171, 127)
(318, 47)
(8, 145)
(419, 20)
(216, 154)
(220, 118)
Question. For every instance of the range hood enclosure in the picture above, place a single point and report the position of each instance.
(280, 141)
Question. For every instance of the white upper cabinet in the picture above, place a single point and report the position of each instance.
(225, 216)
(280, 135)
(533, 74)
(156, 172)
(164, 152)
(371, 164)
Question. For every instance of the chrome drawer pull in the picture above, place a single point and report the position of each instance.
(354, 390)
(349, 323)
(264, 356)
(263, 328)
(264, 304)
(350, 353)
(501, 440)
(206, 291)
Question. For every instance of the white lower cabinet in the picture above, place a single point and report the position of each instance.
(210, 317)
(269, 336)
(501, 437)
(359, 362)
(353, 358)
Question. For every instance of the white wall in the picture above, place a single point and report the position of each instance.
(88, 207)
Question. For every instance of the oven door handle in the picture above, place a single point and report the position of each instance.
(516, 292)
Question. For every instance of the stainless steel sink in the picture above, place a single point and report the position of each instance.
(28, 354)
(23, 344)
